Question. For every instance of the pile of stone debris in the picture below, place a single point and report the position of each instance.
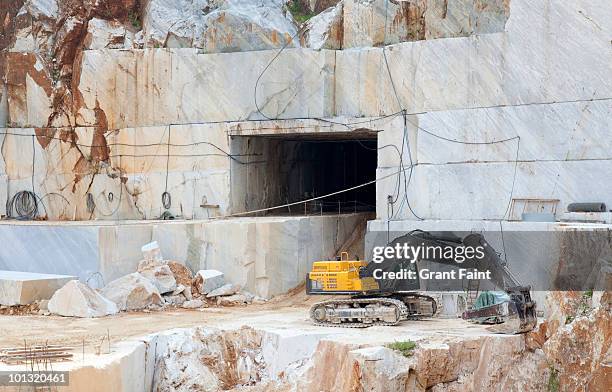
(156, 285)
(20, 310)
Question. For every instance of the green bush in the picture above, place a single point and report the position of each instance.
(405, 347)
(299, 12)
(134, 19)
(553, 380)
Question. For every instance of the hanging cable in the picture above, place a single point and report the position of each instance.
(405, 141)
(221, 151)
(90, 203)
(166, 198)
(24, 205)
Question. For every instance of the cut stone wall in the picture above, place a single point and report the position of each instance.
(544, 77)
(563, 154)
(551, 254)
(267, 256)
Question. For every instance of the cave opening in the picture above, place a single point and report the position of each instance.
(274, 170)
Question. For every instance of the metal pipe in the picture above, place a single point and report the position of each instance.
(587, 207)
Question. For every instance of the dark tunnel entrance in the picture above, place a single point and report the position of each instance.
(278, 170)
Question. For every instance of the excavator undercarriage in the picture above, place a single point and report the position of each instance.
(361, 312)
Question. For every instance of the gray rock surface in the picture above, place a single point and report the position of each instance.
(227, 289)
(76, 299)
(374, 22)
(187, 293)
(325, 31)
(159, 273)
(106, 34)
(206, 281)
(179, 289)
(132, 292)
(43, 304)
(41, 8)
(22, 288)
(193, 304)
(174, 299)
(217, 26)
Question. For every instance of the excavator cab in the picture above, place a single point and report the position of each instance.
(341, 276)
(369, 304)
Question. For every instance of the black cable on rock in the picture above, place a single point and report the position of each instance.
(268, 66)
(166, 215)
(91, 204)
(22, 206)
(166, 198)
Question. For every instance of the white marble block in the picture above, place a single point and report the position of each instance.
(22, 288)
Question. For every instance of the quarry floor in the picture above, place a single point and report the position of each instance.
(288, 313)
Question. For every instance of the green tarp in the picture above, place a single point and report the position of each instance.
(488, 298)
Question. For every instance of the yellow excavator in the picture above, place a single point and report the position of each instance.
(371, 301)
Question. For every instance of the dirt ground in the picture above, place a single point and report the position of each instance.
(289, 312)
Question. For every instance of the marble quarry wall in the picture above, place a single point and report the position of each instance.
(125, 108)
(267, 255)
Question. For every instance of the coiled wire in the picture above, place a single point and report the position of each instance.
(22, 206)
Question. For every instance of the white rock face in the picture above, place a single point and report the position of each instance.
(151, 252)
(219, 26)
(36, 36)
(268, 246)
(41, 8)
(132, 292)
(456, 18)
(318, 6)
(485, 173)
(76, 299)
(324, 31)
(159, 273)
(187, 293)
(22, 288)
(376, 22)
(105, 34)
(481, 88)
(174, 299)
(210, 359)
(206, 281)
(227, 289)
(178, 290)
(383, 368)
(268, 250)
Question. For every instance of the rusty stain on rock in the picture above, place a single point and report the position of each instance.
(45, 136)
(100, 150)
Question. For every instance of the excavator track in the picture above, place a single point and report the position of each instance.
(419, 305)
(358, 312)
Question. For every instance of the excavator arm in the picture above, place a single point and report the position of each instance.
(511, 310)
